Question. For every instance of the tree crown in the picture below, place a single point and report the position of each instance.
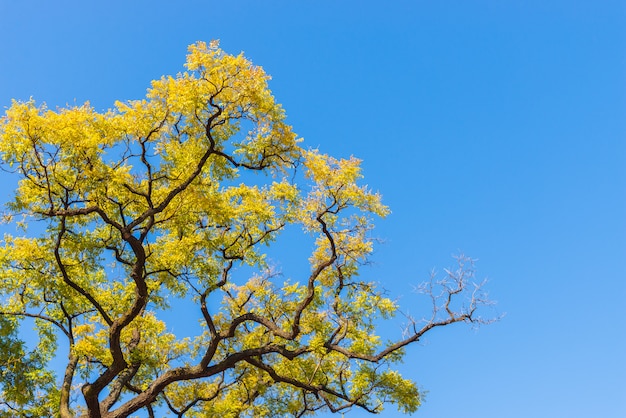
(178, 199)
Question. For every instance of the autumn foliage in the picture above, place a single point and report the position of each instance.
(177, 200)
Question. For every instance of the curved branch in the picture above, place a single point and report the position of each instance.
(295, 329)
(66, 385)
(319, 390)
(196, 372)
(39, 316)
(253, 317)
(70, 282)
(398, 345)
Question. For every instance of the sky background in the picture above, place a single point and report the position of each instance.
(493, 128)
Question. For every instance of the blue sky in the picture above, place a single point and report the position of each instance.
(495, 128)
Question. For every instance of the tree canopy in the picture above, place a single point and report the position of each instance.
(178, 199)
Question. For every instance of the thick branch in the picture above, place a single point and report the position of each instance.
(66, 385)
(196, 372)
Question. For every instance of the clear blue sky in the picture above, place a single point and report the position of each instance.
(497, 128)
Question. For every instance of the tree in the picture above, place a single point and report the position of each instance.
(179, 199)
